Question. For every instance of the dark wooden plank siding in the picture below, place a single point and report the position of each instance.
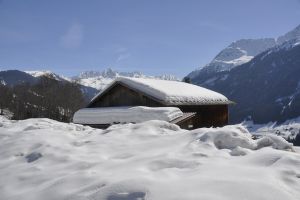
(119, 95)
(207, 115)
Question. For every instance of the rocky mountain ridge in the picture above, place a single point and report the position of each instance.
(240, 52)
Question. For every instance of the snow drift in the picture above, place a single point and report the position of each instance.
(49, 160)
(289, 130)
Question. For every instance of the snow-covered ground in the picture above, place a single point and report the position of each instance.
(289, 130)
(49, 160)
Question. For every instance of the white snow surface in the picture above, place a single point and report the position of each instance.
(289, 129)
(110, 115)
(172, 92)
(2, 82)
(37, 73)
(238, 61)
(6, 113)
(98, 83)
(49, 160)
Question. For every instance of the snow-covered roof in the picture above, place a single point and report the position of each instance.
(171, 92)
(111, 115)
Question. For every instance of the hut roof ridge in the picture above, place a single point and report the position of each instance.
(172, 92)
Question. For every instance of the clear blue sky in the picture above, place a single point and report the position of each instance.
(151, 36)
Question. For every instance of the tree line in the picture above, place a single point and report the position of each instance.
(48, 98)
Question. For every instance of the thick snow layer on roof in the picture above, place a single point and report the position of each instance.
(42, 159)
(173, 92)
(110, 115)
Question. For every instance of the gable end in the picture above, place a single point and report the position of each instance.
(120, 94)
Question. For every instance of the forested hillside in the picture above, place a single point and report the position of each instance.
(47, 98)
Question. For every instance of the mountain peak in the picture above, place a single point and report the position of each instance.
(237, 53)
(252, 47)
(107, 73)
(39, 73)
(47, 73)
(291, 35)
(242, 51)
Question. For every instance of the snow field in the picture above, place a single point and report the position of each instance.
(45, 159)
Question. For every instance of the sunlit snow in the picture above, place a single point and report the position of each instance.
(45, 159)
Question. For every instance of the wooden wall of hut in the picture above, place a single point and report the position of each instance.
(207, 115)
(119, 95)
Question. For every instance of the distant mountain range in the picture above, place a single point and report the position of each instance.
(100, 79)
(261, 75)
(91, 81)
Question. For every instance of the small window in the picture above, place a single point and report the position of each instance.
(190, 126)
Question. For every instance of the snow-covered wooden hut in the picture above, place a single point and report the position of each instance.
(133, 100)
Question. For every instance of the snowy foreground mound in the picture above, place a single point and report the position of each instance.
(45, 159)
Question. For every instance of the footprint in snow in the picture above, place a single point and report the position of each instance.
(128, 196)
(33, 157)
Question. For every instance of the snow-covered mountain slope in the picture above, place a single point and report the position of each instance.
(14, 77)
(47, 73)
(237, 53)
(45, 159)
(39, 73)
(109, 73)
(98, 83)
(88, 92)
(291, 35)
(100, 79)
(240, 52)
